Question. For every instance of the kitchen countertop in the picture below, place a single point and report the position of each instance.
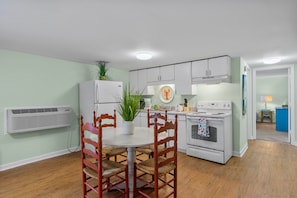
(168, 112)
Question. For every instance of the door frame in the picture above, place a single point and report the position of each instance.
(291, 100)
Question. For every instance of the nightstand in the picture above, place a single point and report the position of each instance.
(266, 114)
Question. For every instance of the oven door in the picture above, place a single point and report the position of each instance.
(213, 139)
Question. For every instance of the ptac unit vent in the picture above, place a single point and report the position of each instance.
(21, 120)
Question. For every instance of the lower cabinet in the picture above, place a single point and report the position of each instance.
(181, 132)
(281, 119)
(141, 120)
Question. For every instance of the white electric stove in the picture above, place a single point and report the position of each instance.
(209, 131)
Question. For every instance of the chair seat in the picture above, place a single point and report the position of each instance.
(112, 151)
(148, 149)
(148, 166)
(145, 149)
(108, 168)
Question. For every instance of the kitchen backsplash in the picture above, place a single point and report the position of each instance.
(222, 91)
(177, 99)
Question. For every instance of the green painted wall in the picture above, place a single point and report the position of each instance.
(30, 80)
(277, 87)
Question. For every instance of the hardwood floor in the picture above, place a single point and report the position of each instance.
(268, 169)
(266, 131)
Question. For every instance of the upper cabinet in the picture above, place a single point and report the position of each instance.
(199, 68)
(220, 66)
(183, 81)
(133, 81)
(138, 82)
(158, 75)
(212, 70)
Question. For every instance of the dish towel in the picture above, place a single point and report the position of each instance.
(203, 129)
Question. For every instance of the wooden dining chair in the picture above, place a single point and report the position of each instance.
(98, 173)
(149, 150)
(163, 169)
(110, 121)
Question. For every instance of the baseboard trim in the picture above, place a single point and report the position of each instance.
(37, 158)
(294, 143)
(242, 152)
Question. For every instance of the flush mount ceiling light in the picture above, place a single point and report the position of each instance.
(144, 55)
(272, 60)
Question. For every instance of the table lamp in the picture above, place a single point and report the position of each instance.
(266, 99)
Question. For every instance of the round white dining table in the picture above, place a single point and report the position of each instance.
(142, 136)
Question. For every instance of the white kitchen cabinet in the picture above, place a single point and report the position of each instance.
(159, 75)
(212, 68)
(138, 82)
(141, 120)
(183, 81)
(181, 131)
(133, 81)
(199, 68)
(219, 66)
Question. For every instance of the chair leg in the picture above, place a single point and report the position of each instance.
(127, 190)
(135, 181)
(175, 183)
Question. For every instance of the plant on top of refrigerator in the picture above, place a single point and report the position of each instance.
(102, 70)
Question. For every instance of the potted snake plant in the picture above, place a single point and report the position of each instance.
(129, 109)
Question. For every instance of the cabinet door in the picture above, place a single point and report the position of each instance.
(143, 119)
(133, 81)
(199, 68)
(219, 66)
(137, 120)
(183, 81)
(181, 134)
(167, 73)
(142, 81)
(153, 74)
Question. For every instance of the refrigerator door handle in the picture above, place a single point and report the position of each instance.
(96, 94)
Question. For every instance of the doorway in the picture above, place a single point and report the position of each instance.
(255, 100)
(271, 100)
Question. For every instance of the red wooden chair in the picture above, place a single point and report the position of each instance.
(110, 121)
(98, 173)
(163, 169)
(149, 150)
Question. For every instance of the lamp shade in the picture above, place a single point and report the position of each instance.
(266, 98)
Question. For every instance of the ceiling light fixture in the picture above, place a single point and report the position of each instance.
(272, 60)
(144, 55)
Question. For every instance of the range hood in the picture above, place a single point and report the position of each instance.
(212, 79)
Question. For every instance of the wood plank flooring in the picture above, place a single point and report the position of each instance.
(268, 170)
(266, 131)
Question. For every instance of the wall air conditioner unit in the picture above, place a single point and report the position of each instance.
(19, 120)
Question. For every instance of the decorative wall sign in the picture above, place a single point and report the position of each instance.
(166, 94)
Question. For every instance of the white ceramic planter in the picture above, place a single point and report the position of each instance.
(128, 127)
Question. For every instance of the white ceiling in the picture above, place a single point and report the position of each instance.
(174, 30)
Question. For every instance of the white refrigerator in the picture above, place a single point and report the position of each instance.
(101, 96)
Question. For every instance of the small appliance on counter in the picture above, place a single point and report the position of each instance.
(148, 103)
(141, 103)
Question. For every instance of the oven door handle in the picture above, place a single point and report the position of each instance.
(210, 119)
